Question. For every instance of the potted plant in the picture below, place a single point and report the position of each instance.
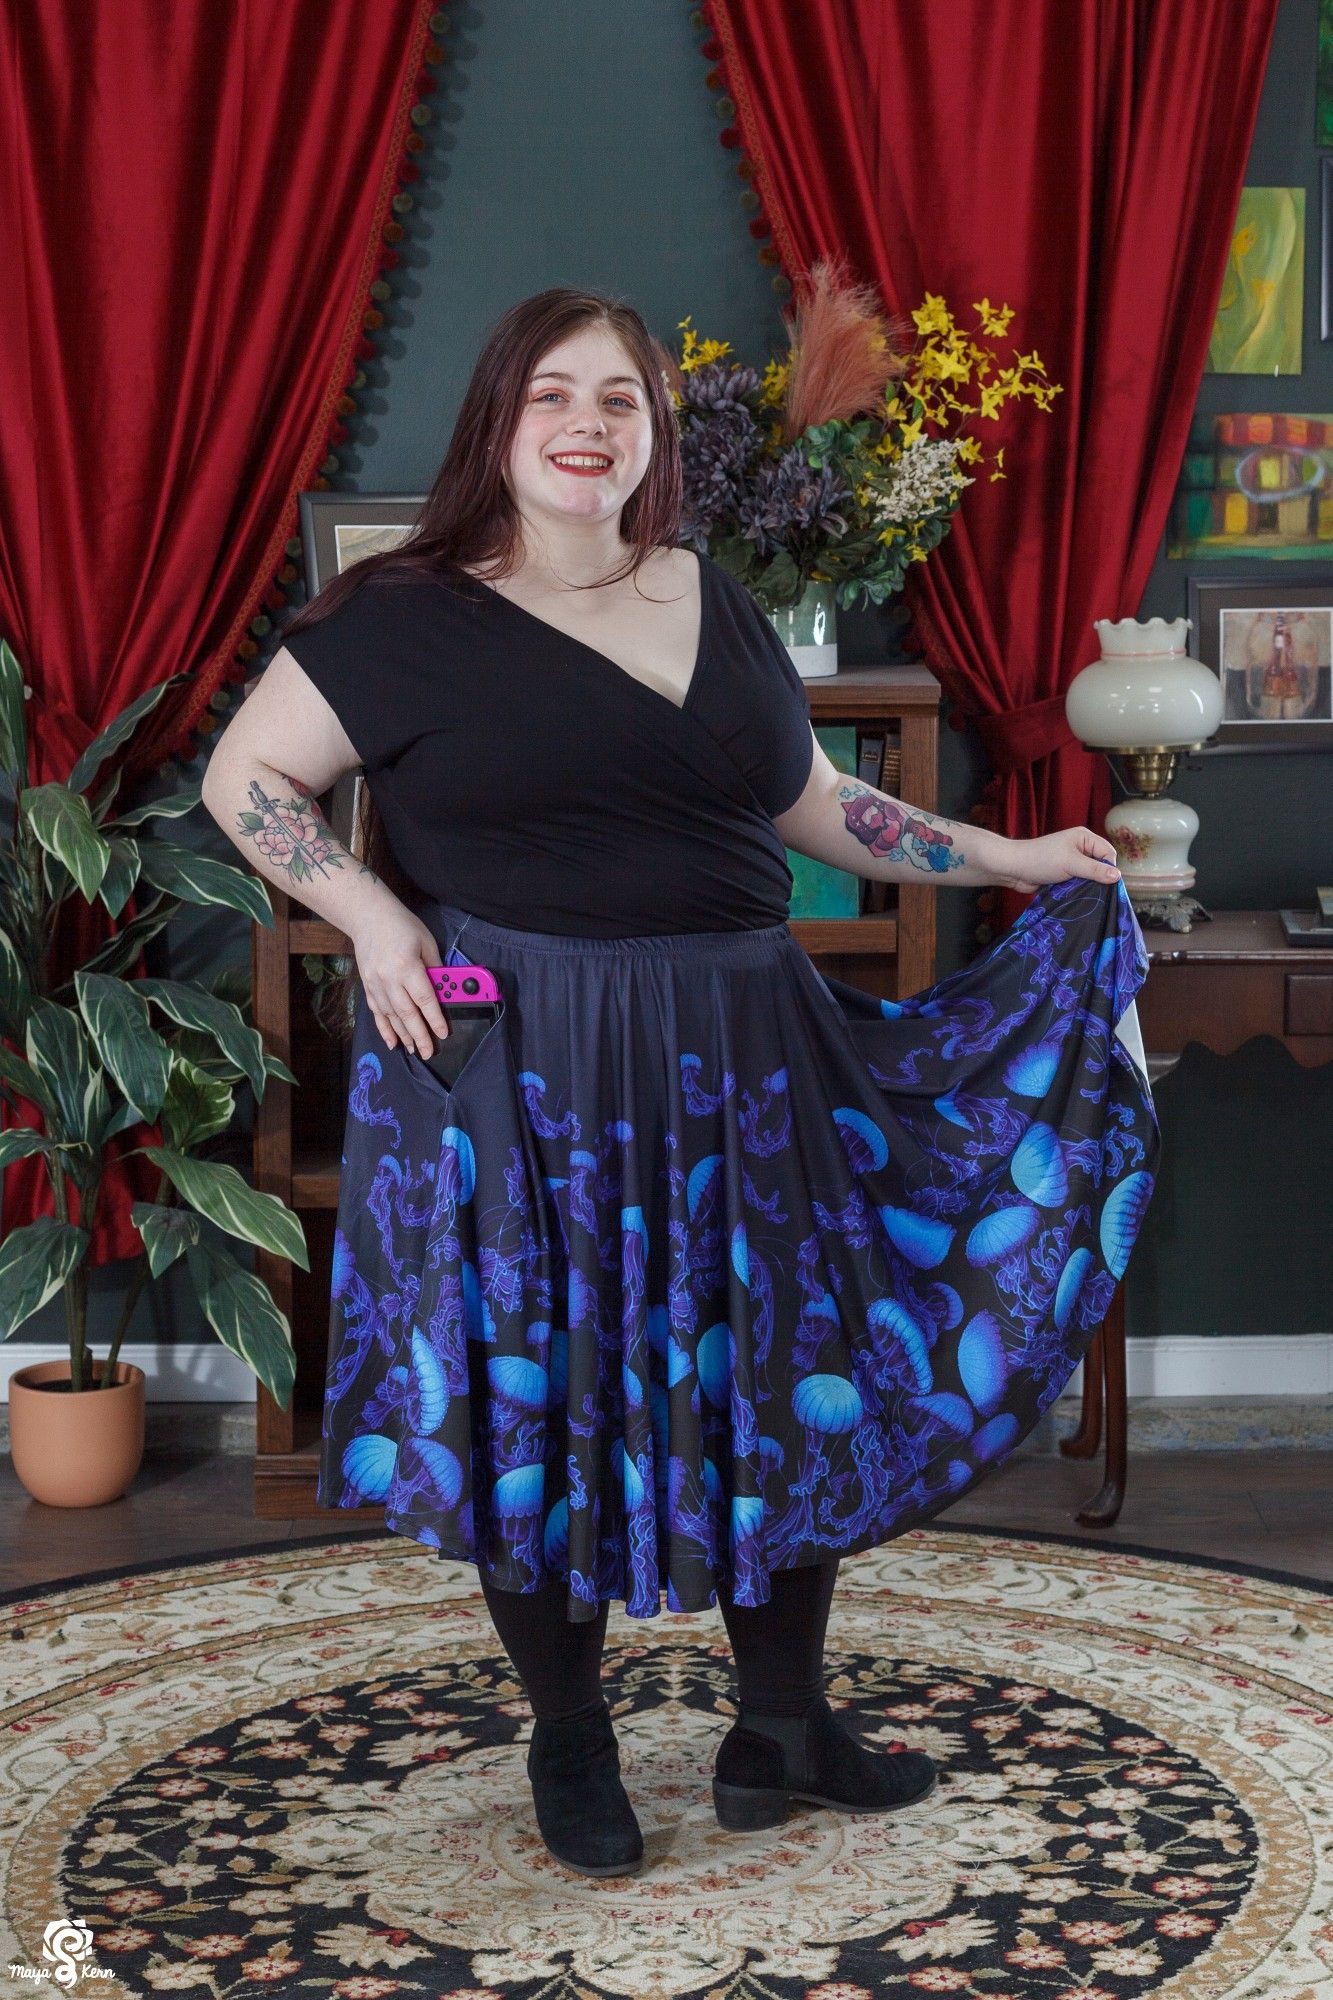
(820, 482)
(100, 1054)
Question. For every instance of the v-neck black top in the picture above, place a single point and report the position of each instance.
(526, 776)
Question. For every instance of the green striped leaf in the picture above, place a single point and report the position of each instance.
(122, 873)
(116, 733)
(227, 1199)
(197, 1106)
(22, 1080)
(22, 1141)
(60, 821)
(173, 806)
(222, 1019)
(136, 1056)
(240, 1309)
(121, 1120)
(13, 722)
(119, 953)
(196, 878)
(166, 1232)
(35, 1262)
(57, 1048)
(15, 988)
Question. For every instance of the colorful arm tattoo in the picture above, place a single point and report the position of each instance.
(293, 834)
(895, 831)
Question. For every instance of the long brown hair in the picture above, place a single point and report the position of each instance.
(469, 516)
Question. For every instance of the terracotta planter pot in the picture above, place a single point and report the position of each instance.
(75, 1451)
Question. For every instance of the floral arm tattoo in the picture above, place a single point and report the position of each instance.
(293, 833)
(897, 832)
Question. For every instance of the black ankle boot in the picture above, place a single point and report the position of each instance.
(583, 1810)
(765, 1761)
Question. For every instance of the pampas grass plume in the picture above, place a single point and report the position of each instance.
(843, 350)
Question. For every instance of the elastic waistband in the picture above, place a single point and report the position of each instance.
(459, 929)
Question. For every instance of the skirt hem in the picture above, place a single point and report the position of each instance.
(683, 1606)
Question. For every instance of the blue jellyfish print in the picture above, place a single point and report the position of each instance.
(709, 1265)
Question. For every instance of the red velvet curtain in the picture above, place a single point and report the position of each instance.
(1081, 161)
(194, 203)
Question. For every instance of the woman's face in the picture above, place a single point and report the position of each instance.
(585, 401)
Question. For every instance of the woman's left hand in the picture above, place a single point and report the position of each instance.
(1053, 857)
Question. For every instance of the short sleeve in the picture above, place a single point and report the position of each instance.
(361, 658)
(764, 716)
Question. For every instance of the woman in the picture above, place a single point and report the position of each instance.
(705, 1271)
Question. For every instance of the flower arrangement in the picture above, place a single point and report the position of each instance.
(843, 462)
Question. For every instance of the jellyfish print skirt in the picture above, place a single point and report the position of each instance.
(708, 1266)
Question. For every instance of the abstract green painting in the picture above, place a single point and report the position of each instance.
(1258, 326)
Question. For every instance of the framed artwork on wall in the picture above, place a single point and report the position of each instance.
(1255, 483)
(1261, 308)
(338, 530)
(1326, 247)
(1323, 93)
(1270, 641)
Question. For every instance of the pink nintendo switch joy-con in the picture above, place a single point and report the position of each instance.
(468, 985)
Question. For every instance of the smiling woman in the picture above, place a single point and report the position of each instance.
(703, 1270)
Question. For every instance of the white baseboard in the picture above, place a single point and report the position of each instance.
(1276, 1364)
(187, 1371)
(1262, 1365)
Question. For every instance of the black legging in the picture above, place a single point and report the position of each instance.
(778, 1646)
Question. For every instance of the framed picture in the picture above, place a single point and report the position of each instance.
(337, 530)
(1270, 642)
(1326, 246)
(1261, 309)
(1255, 483)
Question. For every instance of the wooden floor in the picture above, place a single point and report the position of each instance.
(1271, 1508)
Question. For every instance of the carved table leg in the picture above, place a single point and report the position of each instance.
(1102, 1511)
(1083, 1442)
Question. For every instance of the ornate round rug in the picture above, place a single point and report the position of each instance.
(299, 1770)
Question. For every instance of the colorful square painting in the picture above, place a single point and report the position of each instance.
(1259, 311)
(1255, 482)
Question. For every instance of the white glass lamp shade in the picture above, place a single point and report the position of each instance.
(1144, 692)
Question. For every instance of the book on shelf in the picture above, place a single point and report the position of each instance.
(819, 889)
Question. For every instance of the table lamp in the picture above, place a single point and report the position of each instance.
(1145, 701)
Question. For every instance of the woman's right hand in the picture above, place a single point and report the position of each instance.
(393, 949)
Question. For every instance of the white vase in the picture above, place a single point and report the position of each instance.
(809, 631)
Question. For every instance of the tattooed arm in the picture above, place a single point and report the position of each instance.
(267, 806)
(284, 748)
(839, 820)
(851, 825)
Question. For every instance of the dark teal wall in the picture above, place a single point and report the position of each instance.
(579, 145)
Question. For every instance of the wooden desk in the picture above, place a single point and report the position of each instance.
(1230, 978)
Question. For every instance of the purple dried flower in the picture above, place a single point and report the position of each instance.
(717, 385)
(718, 452)
(788, 498)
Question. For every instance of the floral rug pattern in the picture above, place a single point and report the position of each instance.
(300, 1770)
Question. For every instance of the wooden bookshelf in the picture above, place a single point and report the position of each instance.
(889, 951)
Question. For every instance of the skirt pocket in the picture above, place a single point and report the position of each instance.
(489, 1051)
(439, 1188)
